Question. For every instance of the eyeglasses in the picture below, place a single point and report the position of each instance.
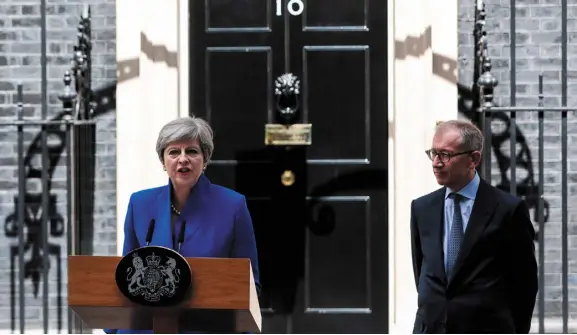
(445, 156)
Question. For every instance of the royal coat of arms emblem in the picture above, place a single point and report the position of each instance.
(153, 276)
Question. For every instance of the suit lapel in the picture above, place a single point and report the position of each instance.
(437, 224)
(481, 214)
(162, 235)
(193, 211)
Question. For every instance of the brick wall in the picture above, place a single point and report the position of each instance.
(20, 62)
(538, 34)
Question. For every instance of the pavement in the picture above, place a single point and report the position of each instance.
(553, 326)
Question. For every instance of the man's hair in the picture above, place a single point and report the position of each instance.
(471, 136)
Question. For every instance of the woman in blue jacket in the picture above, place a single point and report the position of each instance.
(218, 223)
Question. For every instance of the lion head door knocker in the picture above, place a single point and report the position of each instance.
(288, 130)
(287, 92)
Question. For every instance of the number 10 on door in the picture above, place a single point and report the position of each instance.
(294, 7)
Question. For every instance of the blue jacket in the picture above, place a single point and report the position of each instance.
(218, 224)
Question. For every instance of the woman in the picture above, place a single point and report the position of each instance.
(218, 223)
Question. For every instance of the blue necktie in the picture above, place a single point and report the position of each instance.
(456, 234)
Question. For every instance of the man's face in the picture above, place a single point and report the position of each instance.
(456, 171)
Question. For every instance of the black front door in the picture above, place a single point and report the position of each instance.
(319, 211)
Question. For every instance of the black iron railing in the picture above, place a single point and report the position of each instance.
(70, 135)
(484, 87)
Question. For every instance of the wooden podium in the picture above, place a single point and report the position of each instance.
(223, 298)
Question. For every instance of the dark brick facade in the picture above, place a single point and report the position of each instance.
(20, 62)
(538, 35)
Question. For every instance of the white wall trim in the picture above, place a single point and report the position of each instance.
(418, 98)
(183, 58)
(153, 36)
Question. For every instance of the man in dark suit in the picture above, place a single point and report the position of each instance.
(472, 245)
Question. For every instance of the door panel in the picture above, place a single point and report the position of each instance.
(345, 96)
(222, 87)
(351, 15)
(341, 255)
(223, 15)
(322, 240)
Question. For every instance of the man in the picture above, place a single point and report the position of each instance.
(472, 245)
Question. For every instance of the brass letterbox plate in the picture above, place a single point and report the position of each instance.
(294, 134)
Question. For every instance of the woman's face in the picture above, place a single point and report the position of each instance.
(184, 162)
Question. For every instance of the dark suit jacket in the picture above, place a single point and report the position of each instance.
(218, 224)
(493, 286)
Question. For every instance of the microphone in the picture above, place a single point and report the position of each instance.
(181, 234)
(150, 231)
